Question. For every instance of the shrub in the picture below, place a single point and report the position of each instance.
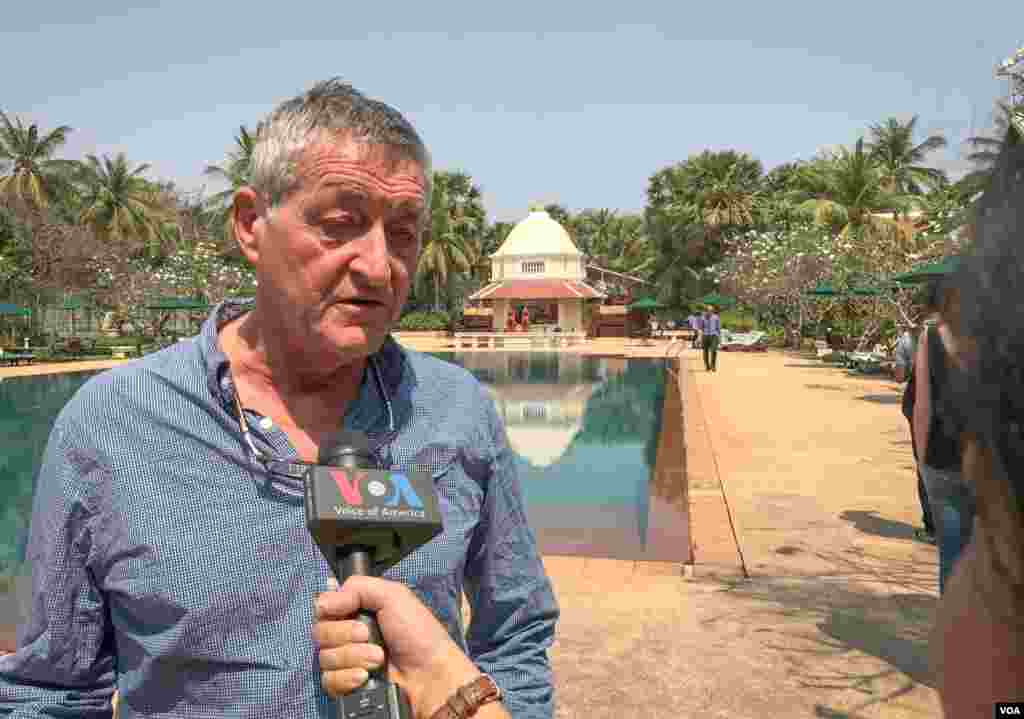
(738, 321)
(424, 321)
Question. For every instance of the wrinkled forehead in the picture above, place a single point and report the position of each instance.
(346, 154)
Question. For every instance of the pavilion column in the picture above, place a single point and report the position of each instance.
(499, 314)
(570, 315)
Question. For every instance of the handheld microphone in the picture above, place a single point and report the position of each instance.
(366, 520)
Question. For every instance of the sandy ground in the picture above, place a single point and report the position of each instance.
(808, 595)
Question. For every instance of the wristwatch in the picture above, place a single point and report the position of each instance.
(468, 699)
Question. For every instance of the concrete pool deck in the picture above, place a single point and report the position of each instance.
(814, 469)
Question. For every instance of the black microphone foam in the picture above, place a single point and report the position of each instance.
(346, 448)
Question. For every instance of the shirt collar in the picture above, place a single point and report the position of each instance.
(381, 381)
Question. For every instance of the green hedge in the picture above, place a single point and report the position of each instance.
(738, 321)
(424, 321)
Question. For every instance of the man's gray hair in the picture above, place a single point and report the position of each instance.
(329, 109)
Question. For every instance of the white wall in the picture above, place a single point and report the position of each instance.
(565, 267)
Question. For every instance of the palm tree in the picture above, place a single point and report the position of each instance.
(236, 171)
(900, 159)
(718, 190)
(456, 219)
(727, 187)
(613, 242)
(850, 194)
(31, 175)
(118, 204)
(986, 149)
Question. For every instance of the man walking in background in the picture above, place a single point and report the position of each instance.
(710, 329)
(693, 321)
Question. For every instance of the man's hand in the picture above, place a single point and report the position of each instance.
(423, 659)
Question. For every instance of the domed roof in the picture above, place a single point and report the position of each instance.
(538, 234)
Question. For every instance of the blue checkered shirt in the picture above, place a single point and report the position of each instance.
(169, 565)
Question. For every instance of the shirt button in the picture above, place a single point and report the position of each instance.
(266, 423)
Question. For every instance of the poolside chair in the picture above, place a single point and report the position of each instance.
(866, 362)
(743, 342)
(15, 358)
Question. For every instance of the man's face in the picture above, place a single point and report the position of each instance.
(336, 258)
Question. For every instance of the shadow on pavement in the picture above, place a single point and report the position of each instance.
(869, 603)
(882, 398)
(871, 523)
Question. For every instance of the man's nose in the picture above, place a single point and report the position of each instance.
(373, 261)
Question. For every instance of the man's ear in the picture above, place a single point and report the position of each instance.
(249, 209)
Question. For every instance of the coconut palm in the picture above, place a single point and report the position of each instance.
(851, 195)
(31, 175)
(236, 172)
(893, 148)
(985, 149)
(118, 204)
(617, 243)
(456, 219)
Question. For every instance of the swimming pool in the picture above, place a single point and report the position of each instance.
(599, 452)
(599, 446)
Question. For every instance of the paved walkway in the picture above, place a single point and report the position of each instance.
(814, 468)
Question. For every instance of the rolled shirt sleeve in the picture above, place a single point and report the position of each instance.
(514, 610)
(64, 665)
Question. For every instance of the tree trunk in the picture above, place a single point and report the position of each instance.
(870, 333)
(437, 292)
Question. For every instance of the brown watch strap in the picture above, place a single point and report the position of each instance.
(465, 702)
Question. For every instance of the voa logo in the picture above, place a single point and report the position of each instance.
(385, 489)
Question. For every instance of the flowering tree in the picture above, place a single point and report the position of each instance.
(128, 285)
(773, 270)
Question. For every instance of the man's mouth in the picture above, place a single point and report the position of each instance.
(359, 301)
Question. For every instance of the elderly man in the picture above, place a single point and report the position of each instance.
(170, 555)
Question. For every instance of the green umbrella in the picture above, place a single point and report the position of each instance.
(646, 303)
(931, 271)
(824, 289)
(71, 304)
(716, 300)
(15, 310)
(174, 304)
(178, 303)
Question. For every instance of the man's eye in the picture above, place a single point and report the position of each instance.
(337, 226)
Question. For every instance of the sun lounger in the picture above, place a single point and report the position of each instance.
(866, 362)
(743, 342)
(16, 358)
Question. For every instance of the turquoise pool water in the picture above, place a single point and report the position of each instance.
(585, 429)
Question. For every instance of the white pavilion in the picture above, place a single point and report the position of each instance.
(539, 267)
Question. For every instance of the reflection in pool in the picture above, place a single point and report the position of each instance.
(602, 473)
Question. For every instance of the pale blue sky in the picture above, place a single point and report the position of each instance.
(550, 101)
